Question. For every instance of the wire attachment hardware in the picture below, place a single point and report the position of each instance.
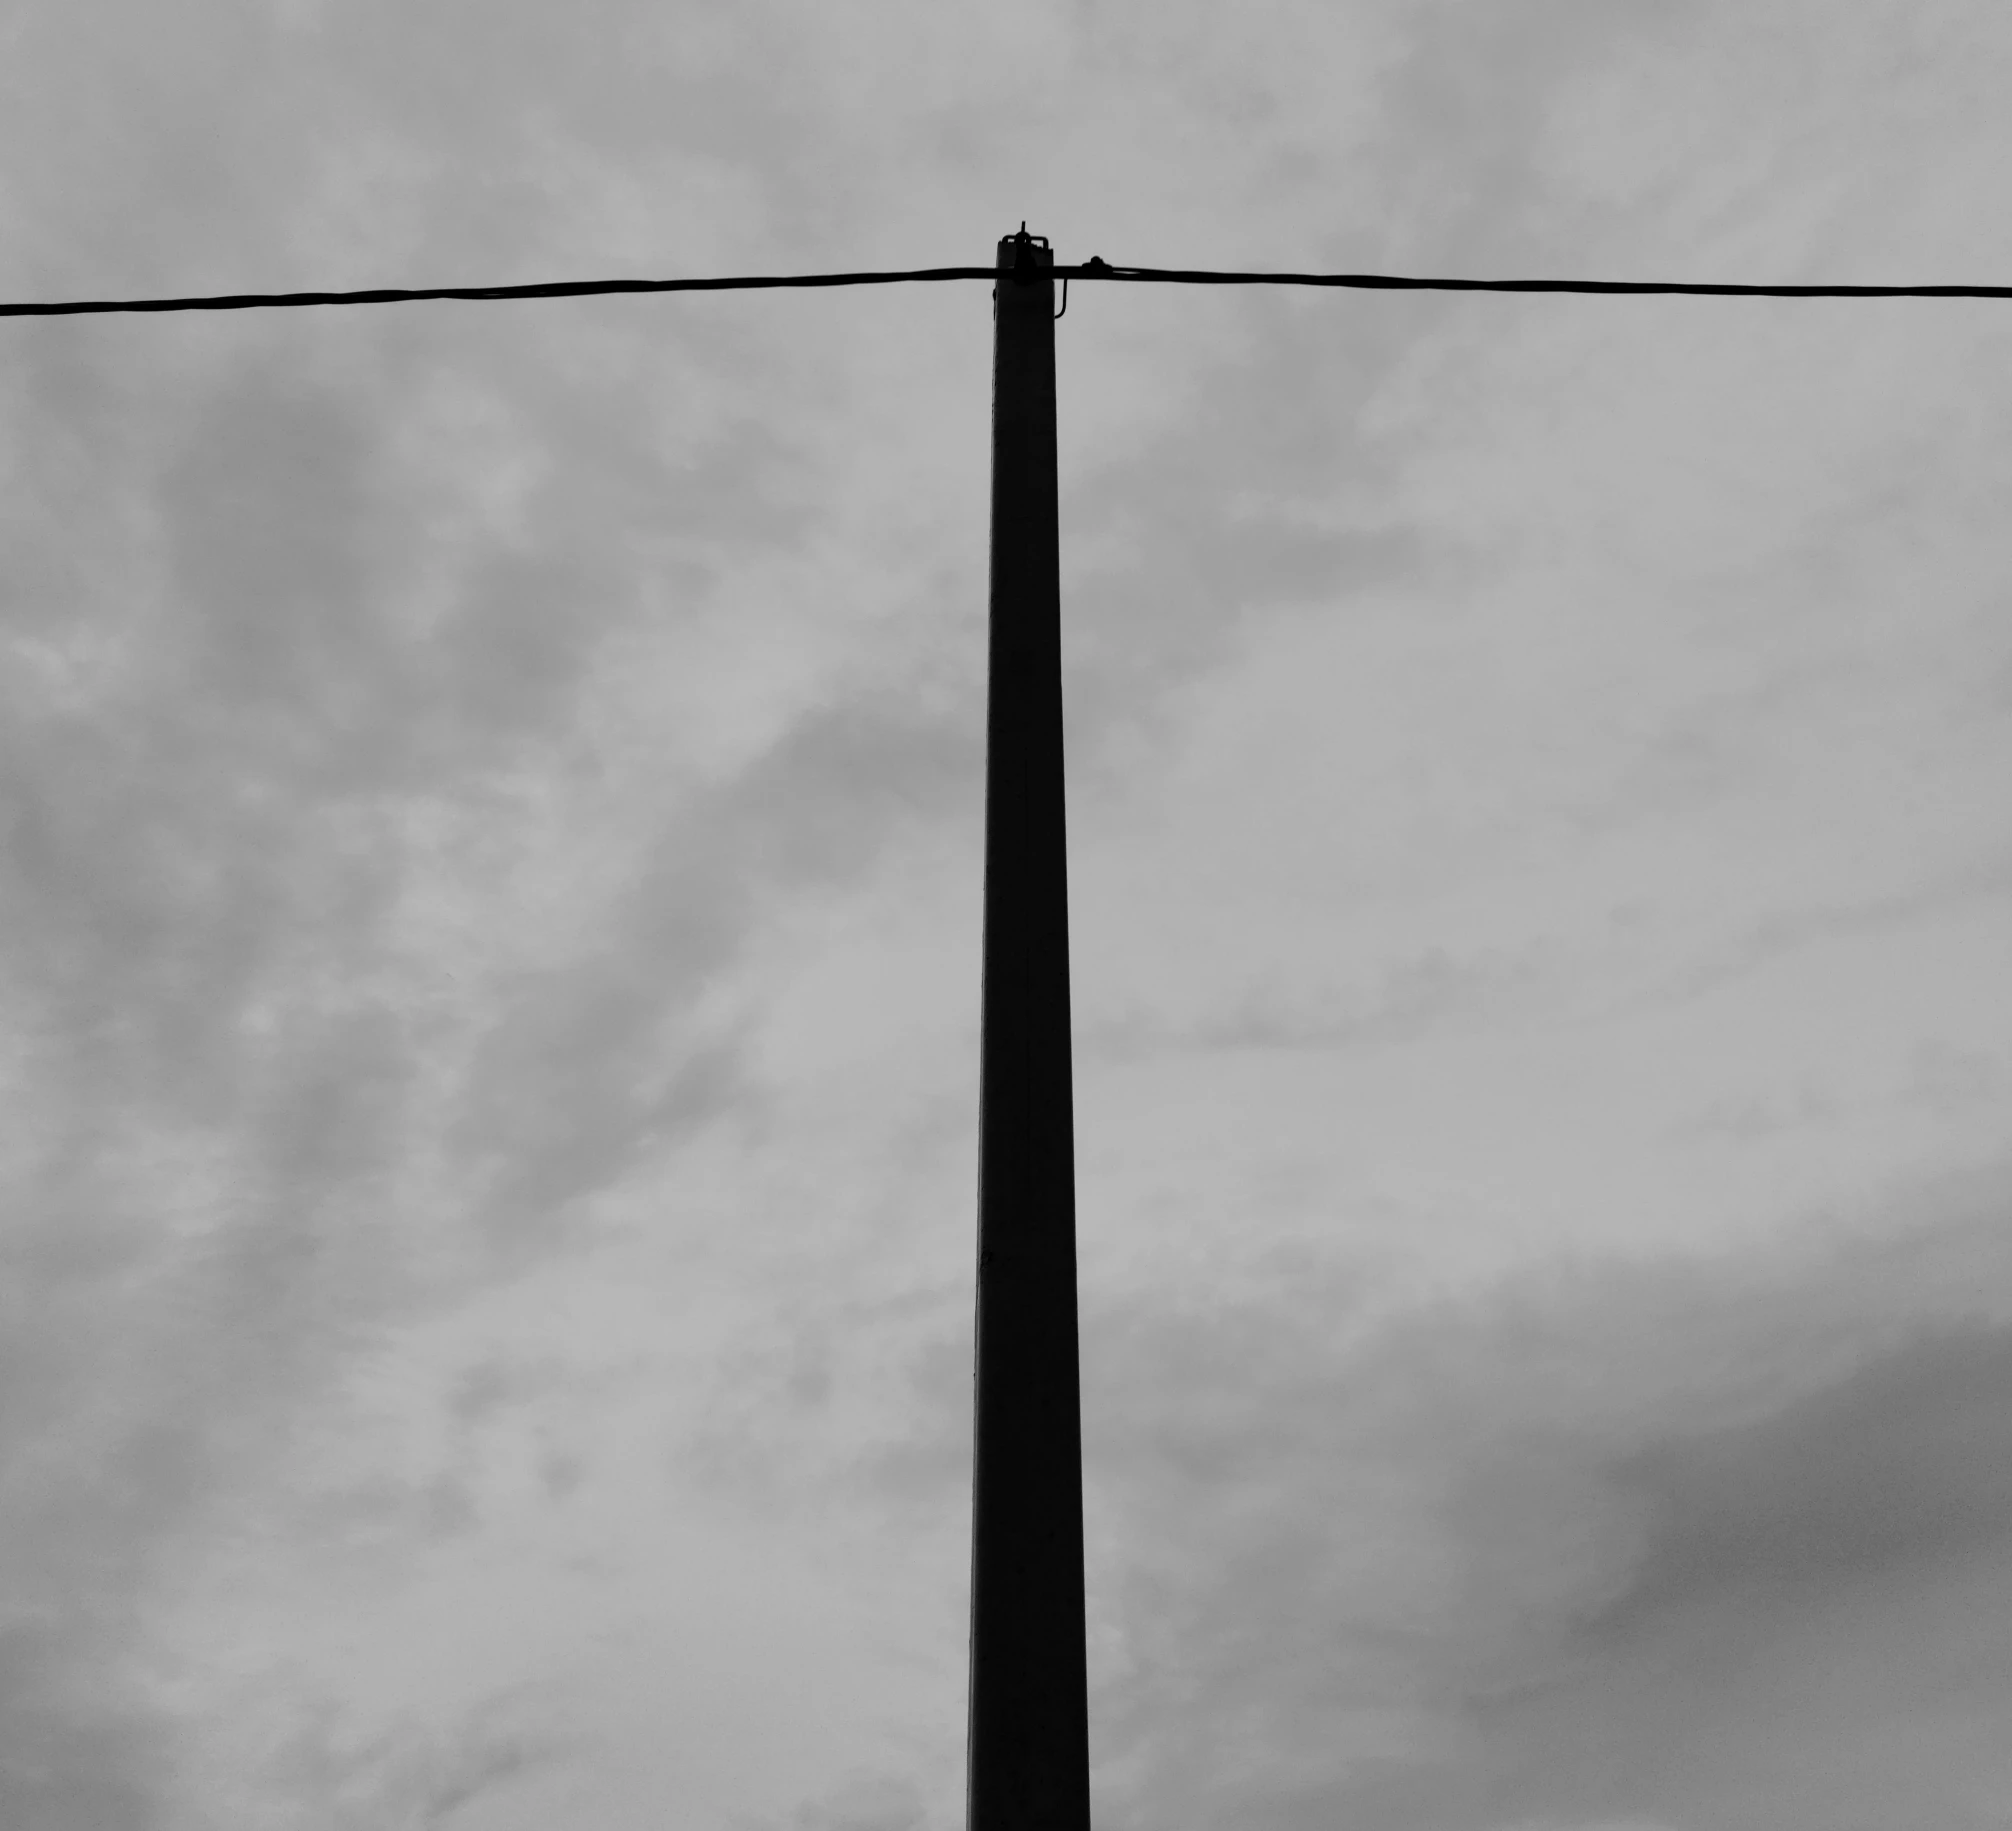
(1024, 270)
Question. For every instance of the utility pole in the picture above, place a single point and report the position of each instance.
(1028, 1741)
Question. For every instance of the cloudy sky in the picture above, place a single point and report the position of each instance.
(491, 882)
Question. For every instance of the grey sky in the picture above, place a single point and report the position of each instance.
(491, 893)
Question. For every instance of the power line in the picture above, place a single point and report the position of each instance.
(555, 289)
(1093, 269)
(1386, 282)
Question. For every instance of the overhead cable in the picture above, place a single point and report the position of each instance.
(1387, 282)
(1093, 269)
(554, 289)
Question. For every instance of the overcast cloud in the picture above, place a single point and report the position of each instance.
(491, 883)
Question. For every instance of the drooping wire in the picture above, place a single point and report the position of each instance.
(1093, 269)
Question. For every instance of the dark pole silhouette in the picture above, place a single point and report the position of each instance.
(1028, 1742)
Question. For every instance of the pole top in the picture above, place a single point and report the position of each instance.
(1024, 256)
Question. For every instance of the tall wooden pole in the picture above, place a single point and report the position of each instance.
(1028, 1745)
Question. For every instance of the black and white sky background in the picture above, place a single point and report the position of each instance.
(491, 873)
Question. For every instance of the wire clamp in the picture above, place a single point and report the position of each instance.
(1023, 270)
